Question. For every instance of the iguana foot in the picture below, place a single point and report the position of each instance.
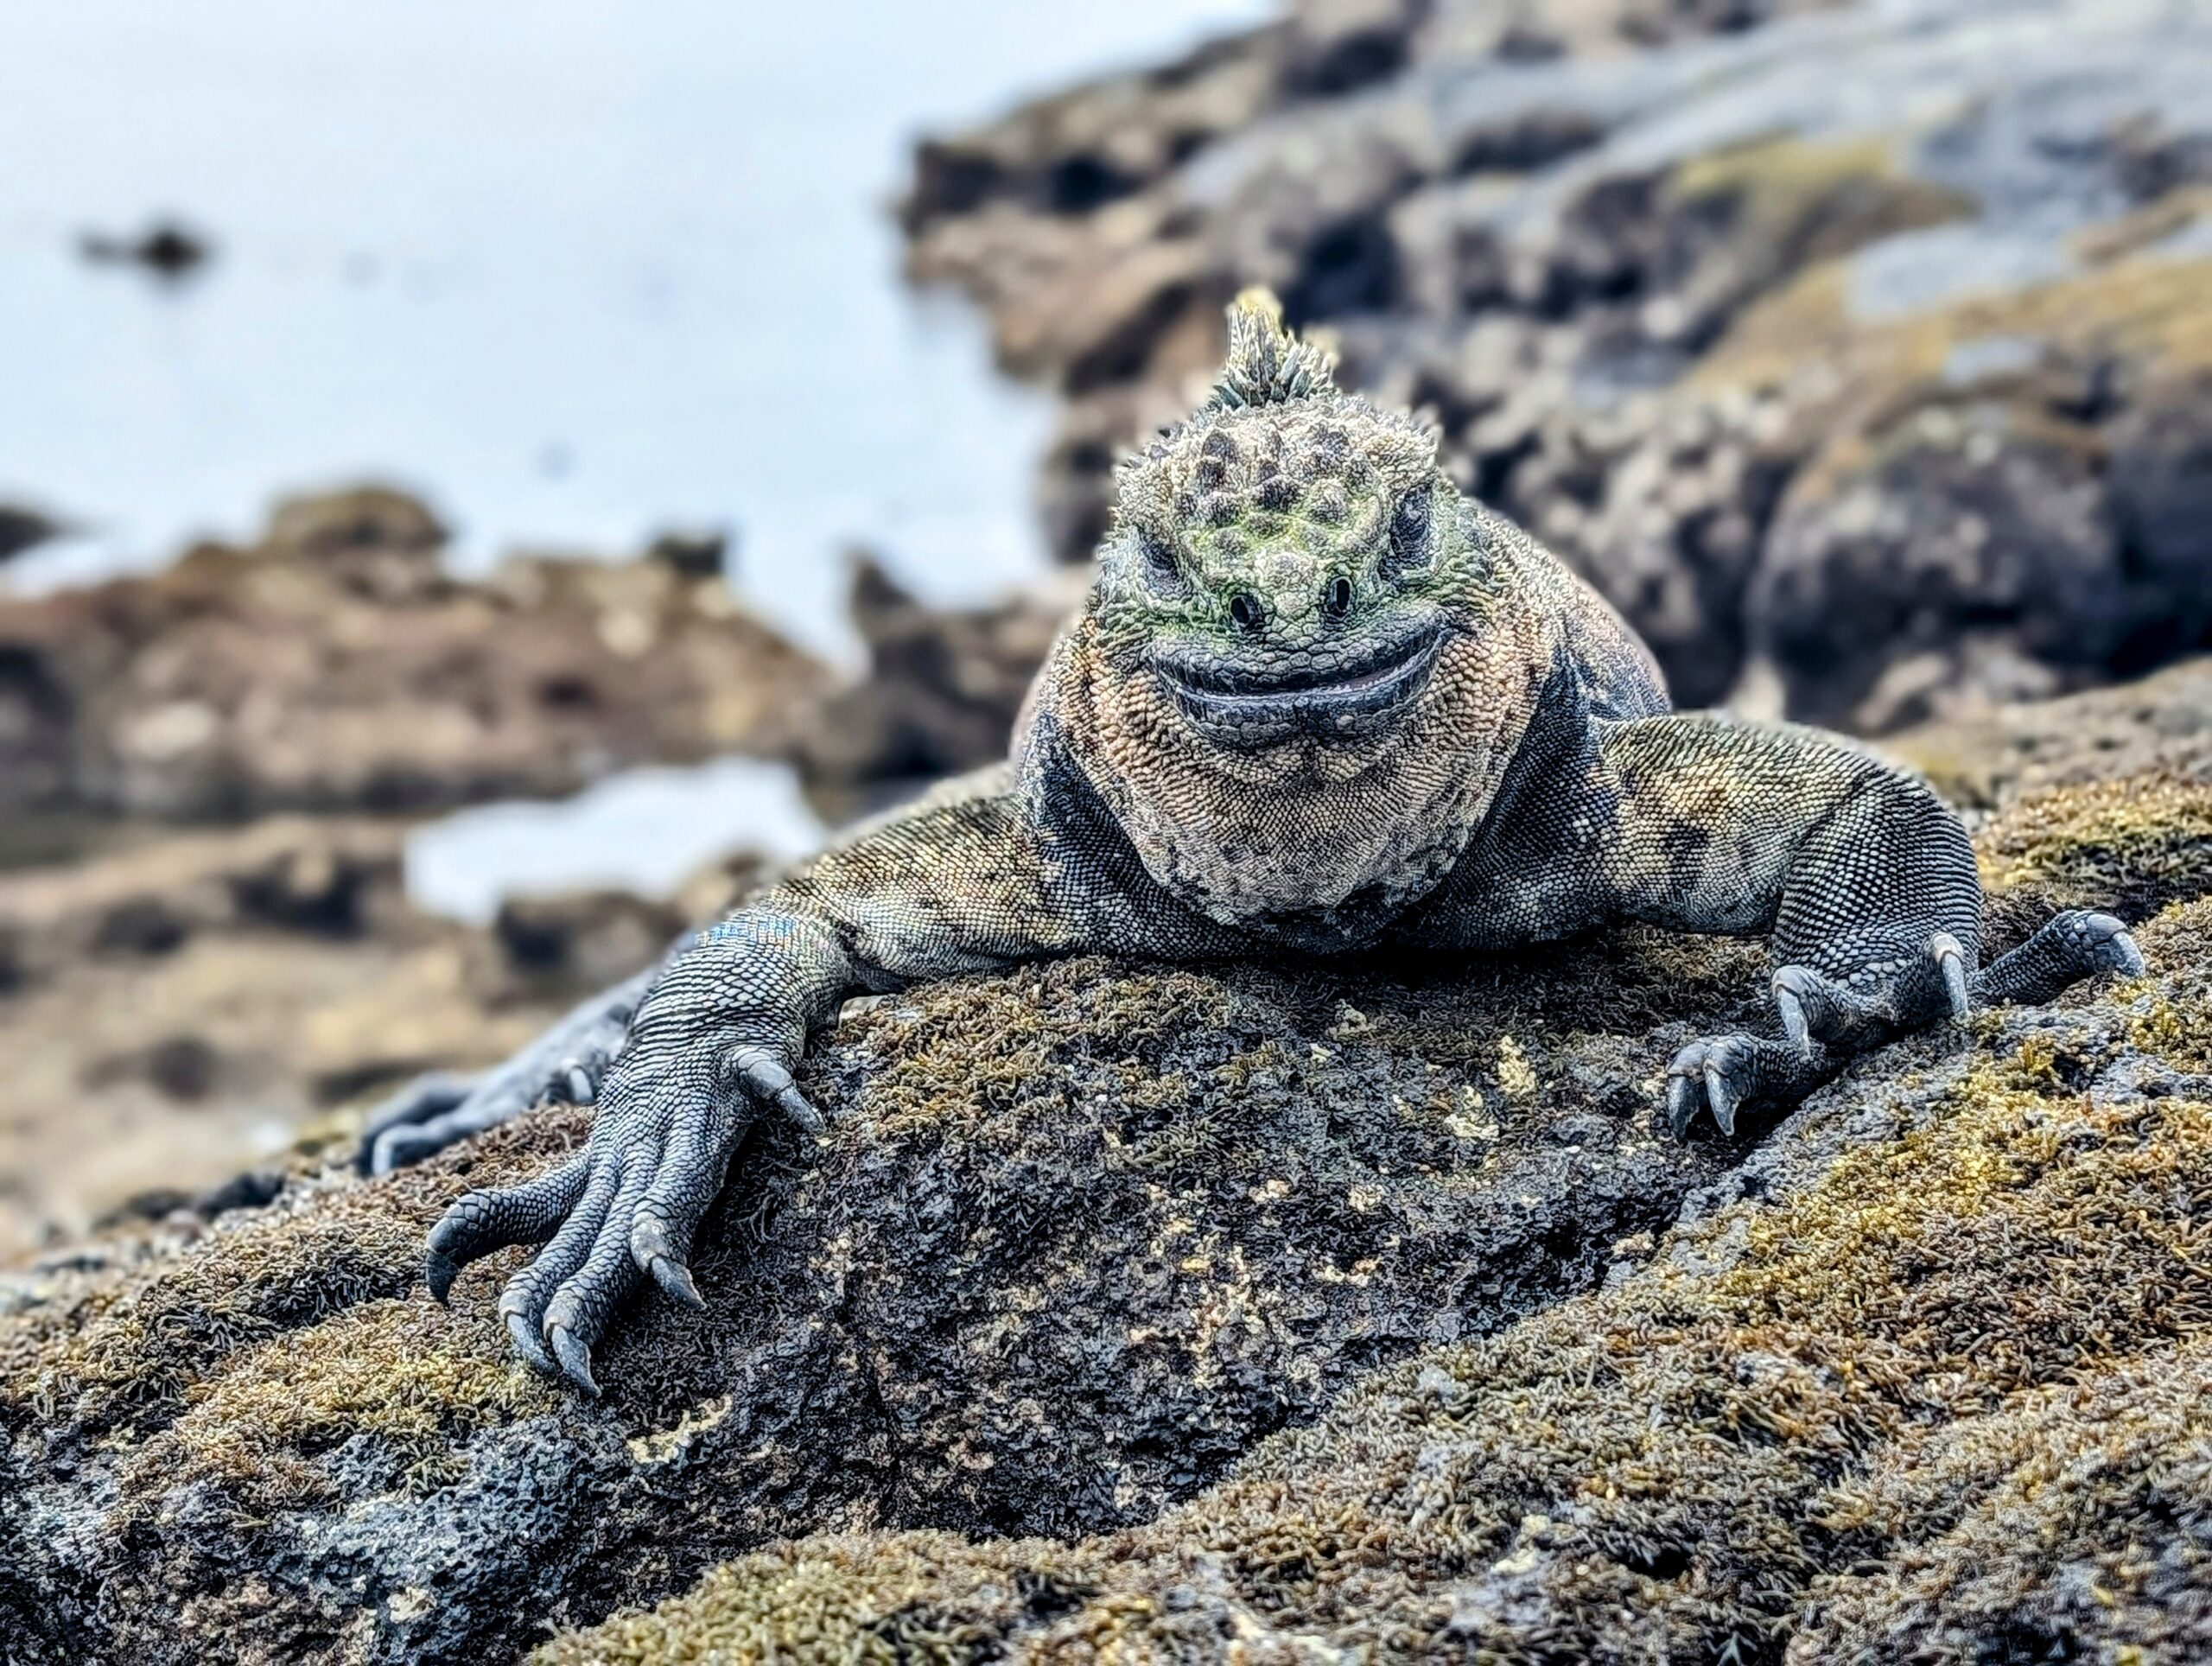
(625, 1209)
(1894, 988)
(2068, 948)
(397, 1131)
(567, 1063)
(1872, 987)
(1826, 1020)
(439, 1109)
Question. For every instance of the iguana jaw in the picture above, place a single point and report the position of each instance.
(1247, 706)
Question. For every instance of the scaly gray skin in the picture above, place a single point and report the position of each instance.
(439, 1109)
(1318, 702)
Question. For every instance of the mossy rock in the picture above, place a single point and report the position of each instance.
(1079, 1238)
(1926, 1378)
(1151, 1309)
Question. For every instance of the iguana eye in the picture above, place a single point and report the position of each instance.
(1409, 530)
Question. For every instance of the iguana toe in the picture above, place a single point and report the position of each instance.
(1722, 1075)
(1952, 964)
(478, 1223)
(2069, 947)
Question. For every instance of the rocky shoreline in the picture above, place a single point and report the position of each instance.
(208, 776)
(1858, 354)
(336, 665)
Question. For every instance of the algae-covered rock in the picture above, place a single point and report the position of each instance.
(1358, 1312)
(1923, 1381)
(1079, 1238)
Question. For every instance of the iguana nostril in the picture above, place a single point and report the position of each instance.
(1336, 600)
(1244, 609)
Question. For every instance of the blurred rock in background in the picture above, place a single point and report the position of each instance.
(21, 528)
(206, 948)
(181, 1005)
(1860, 355)
(941, 690)
(336, 665)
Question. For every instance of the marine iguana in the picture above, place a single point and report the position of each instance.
(1318, 702)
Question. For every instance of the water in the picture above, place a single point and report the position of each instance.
(576, 270)
(645, 830)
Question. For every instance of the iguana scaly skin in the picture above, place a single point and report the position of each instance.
(1317, 700)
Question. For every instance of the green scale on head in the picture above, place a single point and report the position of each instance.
(1282, 508)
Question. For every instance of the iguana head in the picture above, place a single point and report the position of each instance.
(1284, 568)
(1307, 661)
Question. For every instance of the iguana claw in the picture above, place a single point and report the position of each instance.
(1951, 960)
(575, 1358)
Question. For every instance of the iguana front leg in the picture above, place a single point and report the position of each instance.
(436, 1110)
(1865, 880)
(713, 1045)
(963, 882)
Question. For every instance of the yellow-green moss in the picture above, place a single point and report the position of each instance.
(2145, 841)
(968, 1055)
(865, 1601)
(416, 1378)
(2063, 1516)
(138, 1349)
(2148, 308)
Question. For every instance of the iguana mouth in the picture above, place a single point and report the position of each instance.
(1245, 705)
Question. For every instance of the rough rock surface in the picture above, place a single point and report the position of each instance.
(337, 666)
(1357, 1312)
(1857, 352)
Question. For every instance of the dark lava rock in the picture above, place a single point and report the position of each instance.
(1356, 1311)
(693, 552)
(1080, 1237)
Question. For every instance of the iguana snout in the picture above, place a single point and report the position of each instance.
(1346, 686)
